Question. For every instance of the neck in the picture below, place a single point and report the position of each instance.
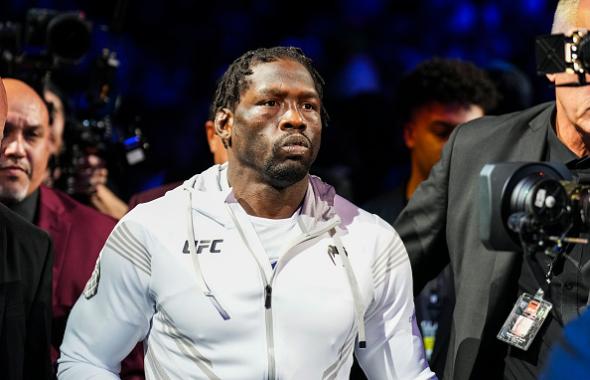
(258, 198)
(570, 134)
(415, 179)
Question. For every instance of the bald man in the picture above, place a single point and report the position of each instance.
(25, 290)
(78, 232)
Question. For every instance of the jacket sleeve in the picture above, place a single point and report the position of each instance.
(37, 356)
(115, 310)
(422, 224)
(394, 344)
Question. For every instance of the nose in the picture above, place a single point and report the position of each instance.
(13, 147)
(293, 119)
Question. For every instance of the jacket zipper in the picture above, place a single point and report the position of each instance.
(268, 296)
(268, 286)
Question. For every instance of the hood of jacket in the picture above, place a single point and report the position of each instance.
(210, 189)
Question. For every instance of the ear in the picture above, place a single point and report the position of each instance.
(213, 139)
(223, 124)
(409, 138)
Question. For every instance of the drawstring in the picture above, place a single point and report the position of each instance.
(195, 258)
(356, 294)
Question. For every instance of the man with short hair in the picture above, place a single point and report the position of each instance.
(25, 291)
(432, 100)
(440, 225)
(252, 269)
(78, 232)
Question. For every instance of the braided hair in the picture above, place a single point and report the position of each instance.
(234, 81)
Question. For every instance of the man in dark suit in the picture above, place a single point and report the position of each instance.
(440, 226)
(25, 292)
(78, 232)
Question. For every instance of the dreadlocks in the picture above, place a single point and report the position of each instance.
(234, 81)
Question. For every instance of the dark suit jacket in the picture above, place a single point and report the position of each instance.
(441, 225)
(25, 299)
(78, 233)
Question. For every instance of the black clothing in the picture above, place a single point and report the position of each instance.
(440, 225)
(25, 299)
(567, 291)
(27, 208)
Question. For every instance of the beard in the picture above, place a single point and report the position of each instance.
(14, 190)
(13, 193)
(281, 175)
(281, 172)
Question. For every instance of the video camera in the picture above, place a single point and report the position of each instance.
(559, 53)
(47, 39)
(48, 44)
(531, 205)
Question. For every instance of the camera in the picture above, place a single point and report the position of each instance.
(531, 205)
(47, 39)
(557, 53)
(50, 45)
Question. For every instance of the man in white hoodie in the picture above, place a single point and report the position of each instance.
(252, 269)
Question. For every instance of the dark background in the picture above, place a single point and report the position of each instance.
(172, 52)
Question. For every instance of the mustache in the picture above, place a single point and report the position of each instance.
(21, 164)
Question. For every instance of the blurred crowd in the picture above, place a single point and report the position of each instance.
(400, 78)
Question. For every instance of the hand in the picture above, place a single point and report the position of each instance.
(105, 201)
(90, 173)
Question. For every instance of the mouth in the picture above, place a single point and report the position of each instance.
(13, 170)
(296, 145)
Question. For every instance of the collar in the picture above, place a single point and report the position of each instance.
(27, 208)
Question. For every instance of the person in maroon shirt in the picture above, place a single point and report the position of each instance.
(78, 232)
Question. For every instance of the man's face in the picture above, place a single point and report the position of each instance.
(429, 129)
(573, 103)
(25, 148)
(276, 126)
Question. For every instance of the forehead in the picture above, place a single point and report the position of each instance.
(26, 108)
(449, 113)
(282, 74)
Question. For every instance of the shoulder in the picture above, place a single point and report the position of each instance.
(20, 229)
(23, 241)
(151, 194)
(80, 215)
(363, 224)
(502, 126)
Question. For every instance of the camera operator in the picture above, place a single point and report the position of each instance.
(92, 175)
(440, 226)
(78, 232)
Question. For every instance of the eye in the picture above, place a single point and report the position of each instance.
(32, 134)
(270, 103)
(308, 106)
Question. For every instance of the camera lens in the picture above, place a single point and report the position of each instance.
(68, 36)
(542, 198)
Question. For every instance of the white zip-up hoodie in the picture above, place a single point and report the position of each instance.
(187, 275)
